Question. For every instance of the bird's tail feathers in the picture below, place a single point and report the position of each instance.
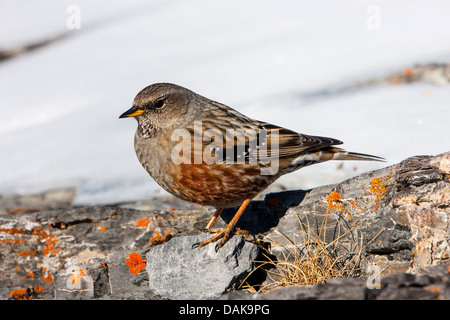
(340, 154)
(330, 153)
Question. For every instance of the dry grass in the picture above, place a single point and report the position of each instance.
(313, 260)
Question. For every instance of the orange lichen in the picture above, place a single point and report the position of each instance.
(38, 289)
(377, 188)
(42, 236)
(49, 246)
(171, 209)
(40, 233)
(135, 262)
(334, 201)
(15, 241)
(433, 289)
(27, 253)
(31, 274)
(159, 238)
(19, 294)
(102, 228)
(76, 276)
(143, 222)
(24, 293)
(408, 72)
(47, 276)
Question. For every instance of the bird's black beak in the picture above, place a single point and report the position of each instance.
(132, 112)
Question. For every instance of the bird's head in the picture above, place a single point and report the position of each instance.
(161, 106)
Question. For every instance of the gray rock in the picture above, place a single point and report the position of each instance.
(432, 283)
(178, 271)
(81, 252)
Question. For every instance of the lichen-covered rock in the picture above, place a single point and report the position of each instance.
(396, 219)
(80, 253)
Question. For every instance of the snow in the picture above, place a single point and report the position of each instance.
(271, 60)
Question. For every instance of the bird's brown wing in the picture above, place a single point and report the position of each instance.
(225, 143)
(293, 144)
(294, 149)
(230, 137)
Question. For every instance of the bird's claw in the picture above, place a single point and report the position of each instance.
(223, 234)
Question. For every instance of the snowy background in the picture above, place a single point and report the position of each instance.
(277, 61)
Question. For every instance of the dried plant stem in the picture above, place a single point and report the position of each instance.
(314, 260)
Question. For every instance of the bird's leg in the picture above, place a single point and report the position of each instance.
(213, 219)
(225, 233)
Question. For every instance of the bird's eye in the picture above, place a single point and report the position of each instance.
(158, 104)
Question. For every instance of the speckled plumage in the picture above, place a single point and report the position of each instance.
(175, 123)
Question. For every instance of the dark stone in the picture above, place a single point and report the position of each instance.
(178, 271)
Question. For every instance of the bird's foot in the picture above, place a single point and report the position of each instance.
(224, 234)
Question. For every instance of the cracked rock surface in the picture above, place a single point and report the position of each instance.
(396, 217)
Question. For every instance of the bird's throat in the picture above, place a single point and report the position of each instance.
(146, 129)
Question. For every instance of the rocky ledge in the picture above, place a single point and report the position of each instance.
(382, 235)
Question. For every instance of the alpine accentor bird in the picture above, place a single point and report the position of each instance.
(205, 152)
